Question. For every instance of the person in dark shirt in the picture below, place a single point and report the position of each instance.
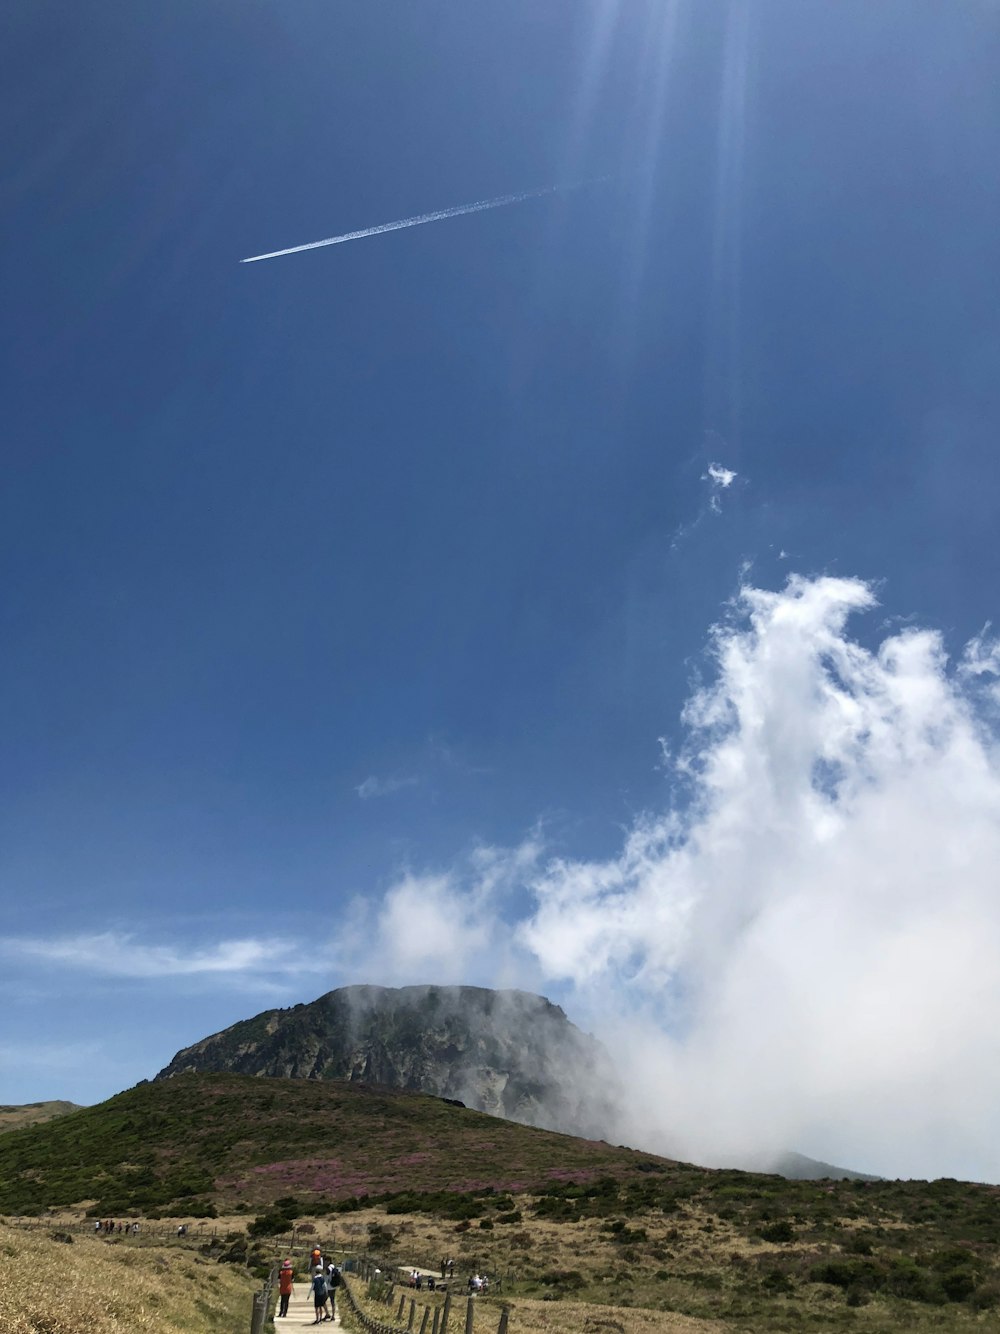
(320, 1295)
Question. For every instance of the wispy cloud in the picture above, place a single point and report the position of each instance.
(384, 787)
(122, 955)
(719, 479)
(448, 925)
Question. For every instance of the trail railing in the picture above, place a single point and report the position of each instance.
(433, 1318)
(262, 1303)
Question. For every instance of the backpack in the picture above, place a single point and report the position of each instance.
(334, 1279)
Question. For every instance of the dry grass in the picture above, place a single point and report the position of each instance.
(32, 1113)
(694, 1273)
(529, 1316)
(104, 1287)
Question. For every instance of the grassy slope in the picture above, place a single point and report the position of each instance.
(233, 1138)
(98, 1287)
(569, 1221)
(32, 1113)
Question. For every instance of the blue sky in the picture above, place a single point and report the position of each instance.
(332, 569)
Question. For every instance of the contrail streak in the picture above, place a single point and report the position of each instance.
(480, 206)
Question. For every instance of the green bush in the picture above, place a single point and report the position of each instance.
(987, 1296)
(777, 1283)
(268, 1225)
(568, 1279)
(958, 1284)
(780, 1231)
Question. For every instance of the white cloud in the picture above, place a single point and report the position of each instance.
(447, 926)
(719, 479)
(383, 787)
(818, 931)
(803, 952)
(720, 476)
(121, 955)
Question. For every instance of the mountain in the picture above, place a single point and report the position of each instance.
(12, 1117)
(800, 1168)
(510, 1053)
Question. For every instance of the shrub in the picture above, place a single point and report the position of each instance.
(268, 1225)
(848, 1274)
(907, 1279)
(958, 1284)
(380, 1238)
(987, 1296)
(780, 1231)
(777, 1283)
(568, 1279)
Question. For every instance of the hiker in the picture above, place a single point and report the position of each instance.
(286, 1277)
(316, 1258)
(319, 1296)
(332, 1284)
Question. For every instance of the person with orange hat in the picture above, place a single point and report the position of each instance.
(286, 1277)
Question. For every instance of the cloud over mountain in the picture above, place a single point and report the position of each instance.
(800, 948)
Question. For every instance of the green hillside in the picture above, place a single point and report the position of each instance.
(228, 1140)
(565, 1220)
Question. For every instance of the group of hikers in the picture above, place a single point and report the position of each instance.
(324, 1281)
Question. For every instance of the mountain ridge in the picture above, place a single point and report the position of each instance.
(510, 1053)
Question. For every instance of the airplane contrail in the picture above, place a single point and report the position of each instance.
(480, 206)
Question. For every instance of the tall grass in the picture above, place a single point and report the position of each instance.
(103, 1287)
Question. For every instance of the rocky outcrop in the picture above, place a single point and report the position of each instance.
(510, 1053)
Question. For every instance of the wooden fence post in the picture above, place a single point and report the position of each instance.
(469, 1312)
(259, 1311)
(402, 1303)
(413, 1313)
(434, 1322)
(423, 1323)
(504, 1315)
(445, 1312)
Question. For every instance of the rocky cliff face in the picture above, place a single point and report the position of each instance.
(510, 1053)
